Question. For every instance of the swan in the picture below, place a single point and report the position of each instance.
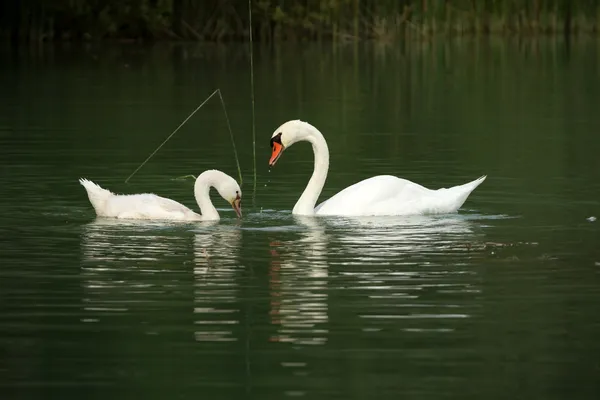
(151, 206)
(379, 195)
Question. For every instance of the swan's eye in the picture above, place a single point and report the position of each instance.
(276, 139)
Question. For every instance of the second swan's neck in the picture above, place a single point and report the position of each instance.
(306, 203)
(201, 193)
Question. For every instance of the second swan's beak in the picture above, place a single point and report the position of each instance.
(277, 150)
(237, 206)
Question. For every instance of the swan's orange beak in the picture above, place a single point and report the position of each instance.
(237, 206)
(277, 150)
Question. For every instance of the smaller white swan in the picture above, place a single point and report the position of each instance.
(379, 195)
(151, 206)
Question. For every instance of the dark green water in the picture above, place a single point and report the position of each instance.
(498, 301)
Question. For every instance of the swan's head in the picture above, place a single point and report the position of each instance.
(229, 189)
(286, 135)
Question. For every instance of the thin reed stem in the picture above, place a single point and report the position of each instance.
(237, 159)
(184, 177)
(171, 135)
(252, 97)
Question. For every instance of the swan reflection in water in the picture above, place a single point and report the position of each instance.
(108, 241)
(136, 266)
(216, 297)
(395, 238)
(298, 285)
(128, 265)
(415, 268)
(381, 268)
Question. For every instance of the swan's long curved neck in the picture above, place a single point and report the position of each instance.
(201, 192)
(307, 201)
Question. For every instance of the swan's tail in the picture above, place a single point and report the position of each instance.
(96, 194)
(459, 194)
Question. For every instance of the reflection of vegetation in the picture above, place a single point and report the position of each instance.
(278, 19)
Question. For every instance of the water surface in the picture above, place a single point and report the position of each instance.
(498, 300)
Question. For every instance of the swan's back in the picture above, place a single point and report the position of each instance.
(373, 196)
(148, 206)
(390, 195)
(135, 206)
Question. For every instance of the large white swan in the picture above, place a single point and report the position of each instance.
(151, 206)
(379, 195)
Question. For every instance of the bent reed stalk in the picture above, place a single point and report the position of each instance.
(237, 160)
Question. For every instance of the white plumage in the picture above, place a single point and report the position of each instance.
(390, 195)
(379, 195)
(151, 206)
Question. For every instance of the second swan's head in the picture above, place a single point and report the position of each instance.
(286, 135)
(227, 187)
(231, 191)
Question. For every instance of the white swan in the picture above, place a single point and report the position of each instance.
(151, 206)
(379, 195)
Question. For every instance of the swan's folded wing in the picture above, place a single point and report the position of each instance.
(150, 206)
(389, 195)
(169, 209)
(379, 195)
(168, 204)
